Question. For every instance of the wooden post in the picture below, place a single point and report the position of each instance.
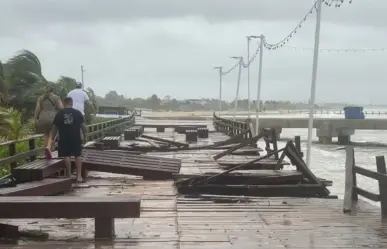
(12, 152)
(104, 228)
(355, 196)
(274, 141)
(349, 172)
(31, 145)
(245, 127)
(381, 167)
(253, 132)
(297, 141)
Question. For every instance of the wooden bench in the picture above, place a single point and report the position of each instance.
(103, 209)
(49, 186)
(191, 135)
(184, 128)
(37, 170)
(202, 132)
(132, 132)
(111, 142)
(122, 162)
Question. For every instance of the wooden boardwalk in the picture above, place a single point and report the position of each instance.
(171, 221)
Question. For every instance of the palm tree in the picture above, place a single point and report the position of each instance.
(63, 85)
(88, 109)
(25, 82)
(93, 97)
(3, 89)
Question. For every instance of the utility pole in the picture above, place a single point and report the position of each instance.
(83, 85)
(314, 79)
(220, 88)
(240, 58)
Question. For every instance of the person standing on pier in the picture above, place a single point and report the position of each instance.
(80, 98)
(68, 122)
(47, 106)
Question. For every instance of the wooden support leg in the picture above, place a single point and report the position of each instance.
(9, 231)
(104, 228)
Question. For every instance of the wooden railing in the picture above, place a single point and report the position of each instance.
(231, 127)
(352, 191)
(94, 131)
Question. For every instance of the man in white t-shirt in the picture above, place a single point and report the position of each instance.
(79, 98)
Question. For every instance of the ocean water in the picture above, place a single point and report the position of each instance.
(329, 162)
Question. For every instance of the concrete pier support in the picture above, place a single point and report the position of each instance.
(278, 131)
(325, 140)
(344, 140)
(327, 131)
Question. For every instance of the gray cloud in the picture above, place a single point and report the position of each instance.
(365, 12)
(169, 47)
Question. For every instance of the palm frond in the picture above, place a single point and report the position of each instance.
(25, 60)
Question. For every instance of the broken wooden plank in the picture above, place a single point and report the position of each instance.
(238, 167)
(296, 159)
(48, 186)
(247, 152)
(234, 139)
(174, 143)
(241, 145)
(121, 163)
(262, 177)
(283, 190)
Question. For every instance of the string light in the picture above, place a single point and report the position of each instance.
(252, 58)
(312, 10)
(231, 69)
(339, 49)
(280, 44)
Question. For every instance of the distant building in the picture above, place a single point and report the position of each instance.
(116, 110)
(201, 102)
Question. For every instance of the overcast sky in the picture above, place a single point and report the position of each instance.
(169, 47)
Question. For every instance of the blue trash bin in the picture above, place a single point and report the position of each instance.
(354, 112)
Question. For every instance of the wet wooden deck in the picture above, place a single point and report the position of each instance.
(170, 221)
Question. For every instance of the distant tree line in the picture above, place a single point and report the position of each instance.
(167, 103)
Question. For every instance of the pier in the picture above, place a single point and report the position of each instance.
(216, 191)
(326, 128)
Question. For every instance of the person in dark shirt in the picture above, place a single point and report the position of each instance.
(69, 123)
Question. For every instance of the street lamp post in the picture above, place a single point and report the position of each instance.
(261, 37)
(240, 58)
(83, 85)
(248, 74)
(220, 88)
(313, 85)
